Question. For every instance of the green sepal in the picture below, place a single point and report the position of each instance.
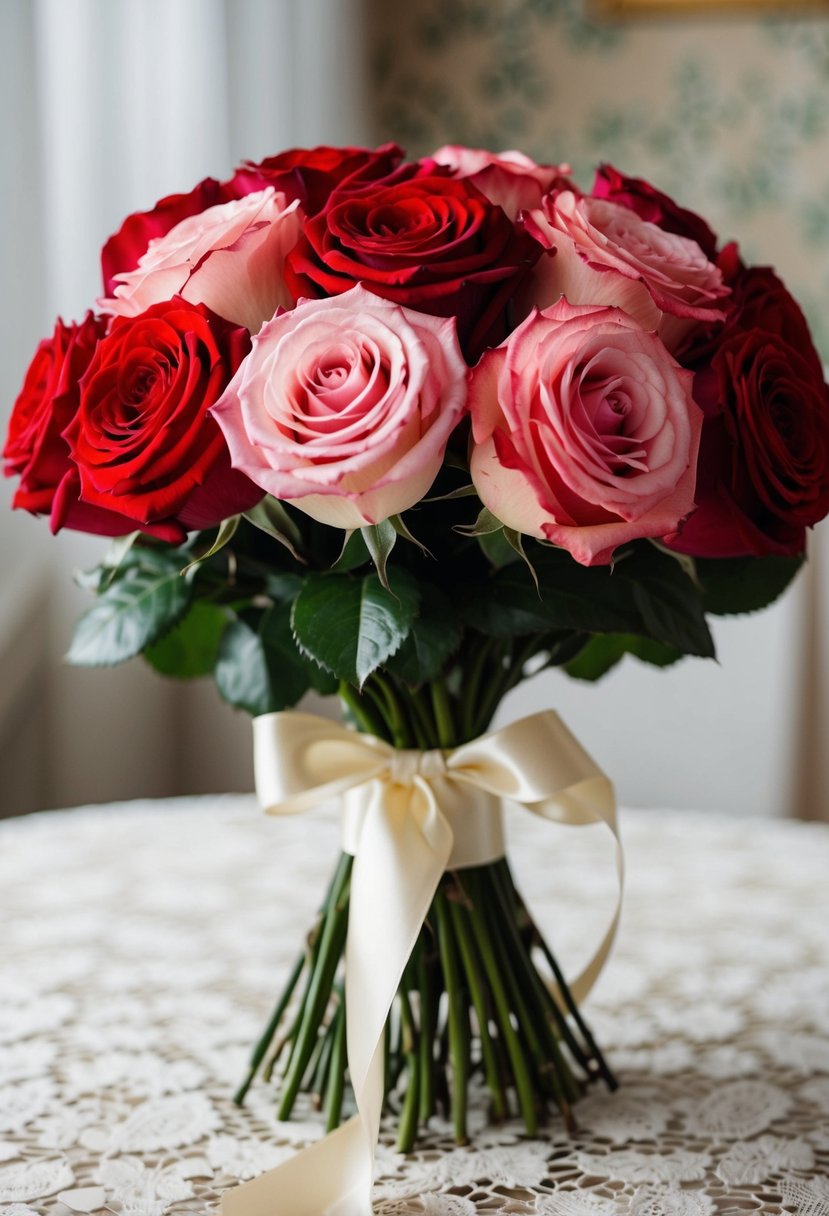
(227, 530)
(271, 517)
(380, 539)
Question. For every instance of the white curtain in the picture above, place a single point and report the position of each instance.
(106, 106)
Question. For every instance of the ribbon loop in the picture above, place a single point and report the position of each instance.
(409, 816)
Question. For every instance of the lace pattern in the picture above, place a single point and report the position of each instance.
(142, 946)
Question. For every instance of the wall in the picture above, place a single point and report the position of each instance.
(732, 117)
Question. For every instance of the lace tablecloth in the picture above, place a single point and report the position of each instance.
(141, 947)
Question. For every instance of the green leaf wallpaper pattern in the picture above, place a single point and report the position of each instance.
(730, 115)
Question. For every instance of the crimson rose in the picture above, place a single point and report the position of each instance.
(429, 242)
(35, 449)
(142, 440)
(764, 456)
(312, 174)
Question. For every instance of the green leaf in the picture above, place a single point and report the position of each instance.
(241, 671)
(646, 593)
(227, 530)
(744, 584)
(351, 626)
(261, 670)
(603, 652)
(289, 673)
(271, 517)
(380, 539)
(282, 586)
(132, 613)
(191, 647)
(435, 634)
(670, 604)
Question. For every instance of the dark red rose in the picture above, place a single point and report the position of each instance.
(652, 205)
(142, 441)
(123, 249)
(430, 242)
(763, 474)
(36, 450)
(312, 174)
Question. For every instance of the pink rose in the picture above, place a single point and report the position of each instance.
(584, 431)
(510, 179)
(229, 257)
(344, 407)
(601, 252)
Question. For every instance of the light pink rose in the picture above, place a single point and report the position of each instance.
(603, 253)
(510, 179)
(345, 405)
(584, 432)
(229, 257)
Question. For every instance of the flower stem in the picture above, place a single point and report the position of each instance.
(364, 714)
(332, 942)
(336, 1072)
(458, 1018)
(443, 713)
(518, 1062)
(264, 1043)
(466, 947)
(428, 1024)
(409, 1049)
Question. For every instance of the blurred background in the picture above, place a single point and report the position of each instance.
(106, 105)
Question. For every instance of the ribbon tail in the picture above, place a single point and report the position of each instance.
(397, 868)
(328, 1178)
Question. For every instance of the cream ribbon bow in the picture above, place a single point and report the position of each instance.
(409, 817)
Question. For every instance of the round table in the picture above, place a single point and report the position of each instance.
(142, 945)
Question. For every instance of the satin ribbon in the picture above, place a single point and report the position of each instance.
(409, 817)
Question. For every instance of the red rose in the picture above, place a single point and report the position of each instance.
(36, 450)
(312, 174)
(123, 249)
(763, 473)
(430, 242)
(652, 205)
(142, 440)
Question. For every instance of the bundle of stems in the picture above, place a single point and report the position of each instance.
(473, 998)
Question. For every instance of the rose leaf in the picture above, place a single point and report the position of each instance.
(130, 614)
(351, 626)
(191, 647)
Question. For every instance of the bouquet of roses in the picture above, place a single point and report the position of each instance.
(408, 432)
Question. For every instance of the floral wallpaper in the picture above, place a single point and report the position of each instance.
(731, 115)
